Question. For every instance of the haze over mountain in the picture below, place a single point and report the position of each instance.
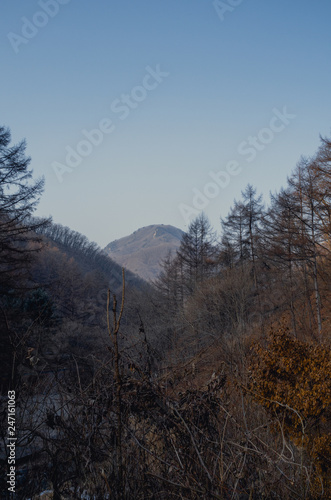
(142, 251)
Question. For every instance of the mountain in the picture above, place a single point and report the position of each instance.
(142, 251)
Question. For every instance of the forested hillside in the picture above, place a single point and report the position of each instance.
(214, 382)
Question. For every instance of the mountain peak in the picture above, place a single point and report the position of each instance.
(144, 249)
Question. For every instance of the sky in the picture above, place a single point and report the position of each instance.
(148, 112)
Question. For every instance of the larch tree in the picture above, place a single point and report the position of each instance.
(197, 253)
(19, 196)
(234, 240)
(253, 210)
(304, 187)
(281, 246)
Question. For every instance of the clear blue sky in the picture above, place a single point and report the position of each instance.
(226, 77)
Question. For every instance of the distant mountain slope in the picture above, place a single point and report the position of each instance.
(142, 251)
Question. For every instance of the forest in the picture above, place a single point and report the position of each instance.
(212, 382)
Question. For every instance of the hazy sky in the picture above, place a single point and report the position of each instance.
(184, 97)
